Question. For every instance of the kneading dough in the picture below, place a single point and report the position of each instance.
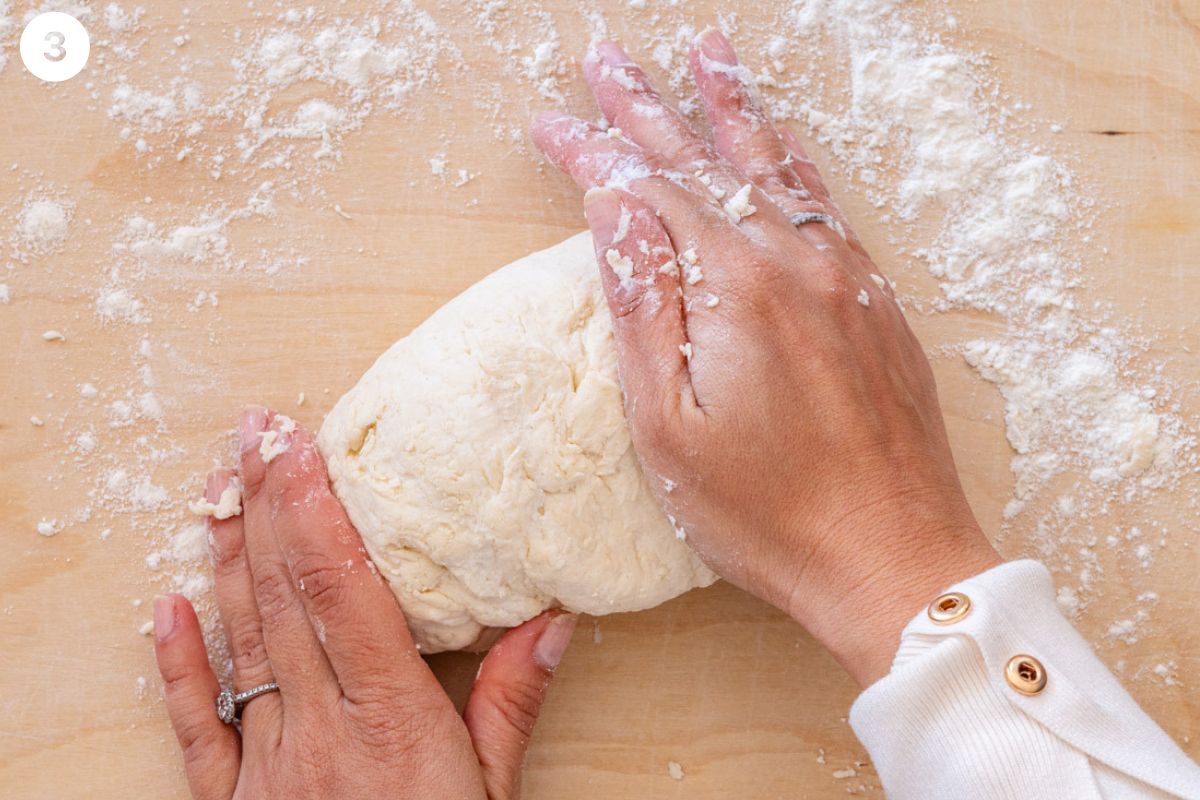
(486, 462)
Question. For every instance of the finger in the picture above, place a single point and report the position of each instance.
(744, 134)
(742, 131)
(354, 614)
(641, 279)
(508, 694)
(591, 157)
(810, 177)
(211, 750)
(297, 659)
(234, 590)
(630, 102)
(694, 224)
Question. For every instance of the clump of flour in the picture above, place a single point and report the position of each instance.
(116, 304)
(44, 224)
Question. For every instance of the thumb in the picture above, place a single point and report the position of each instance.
(508, 694)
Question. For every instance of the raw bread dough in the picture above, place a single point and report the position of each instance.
(486, 462)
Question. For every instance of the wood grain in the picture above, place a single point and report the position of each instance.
(740, 697)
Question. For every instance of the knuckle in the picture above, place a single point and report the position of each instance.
(380, 725)
(247, 647)
(688, 151)
(763, 169)
(273, 590)
(253, 480)
(830, 280)
(178, 676)
(226, 548)
(199, 742)
(517, 705)
(322, 581)
(623, 303)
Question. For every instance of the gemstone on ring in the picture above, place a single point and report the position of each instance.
(229, 704)
(226, 707)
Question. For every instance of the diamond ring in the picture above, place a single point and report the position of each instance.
(805, 217)
(229, 705)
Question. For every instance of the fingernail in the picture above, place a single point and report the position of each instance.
(218, 479)
(714, 45)
(554, 640)
(611, 53)
(252, 423)
(164, 617)
(602, 207)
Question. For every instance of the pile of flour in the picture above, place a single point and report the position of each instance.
(43, 224)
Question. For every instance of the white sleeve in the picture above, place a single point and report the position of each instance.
(952, 720)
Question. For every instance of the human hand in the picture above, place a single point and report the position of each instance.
(358, 713)
(783, 411)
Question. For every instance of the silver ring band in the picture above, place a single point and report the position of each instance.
(229, 705)
(805, 217)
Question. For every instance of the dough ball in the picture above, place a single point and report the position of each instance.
(486, 462)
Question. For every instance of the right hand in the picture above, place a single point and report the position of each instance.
(800, 445)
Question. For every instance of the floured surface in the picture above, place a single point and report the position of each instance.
(234, 222)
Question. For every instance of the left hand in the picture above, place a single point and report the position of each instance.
(358, 714)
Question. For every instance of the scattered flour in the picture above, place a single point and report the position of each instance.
(183, 561)
(919, 127)
(544, 68)
(7, 29)
(675, 770)
(196, 243)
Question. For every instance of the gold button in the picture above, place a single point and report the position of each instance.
(949, 608)
(1025, 674)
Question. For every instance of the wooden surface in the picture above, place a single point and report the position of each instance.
(715, 681)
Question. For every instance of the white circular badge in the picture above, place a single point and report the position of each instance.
(55, 46)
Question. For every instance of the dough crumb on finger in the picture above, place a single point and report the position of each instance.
(228, 505)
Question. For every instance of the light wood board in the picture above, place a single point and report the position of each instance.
(739, 696)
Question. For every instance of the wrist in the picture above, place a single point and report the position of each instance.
(856, 593)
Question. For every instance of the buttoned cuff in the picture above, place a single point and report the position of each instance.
(993, 694)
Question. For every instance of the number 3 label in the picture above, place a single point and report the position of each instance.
(55, 46)
(59, 40)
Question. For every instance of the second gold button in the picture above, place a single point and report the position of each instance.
(1025, 674)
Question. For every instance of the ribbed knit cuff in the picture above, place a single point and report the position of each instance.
(946, 723)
